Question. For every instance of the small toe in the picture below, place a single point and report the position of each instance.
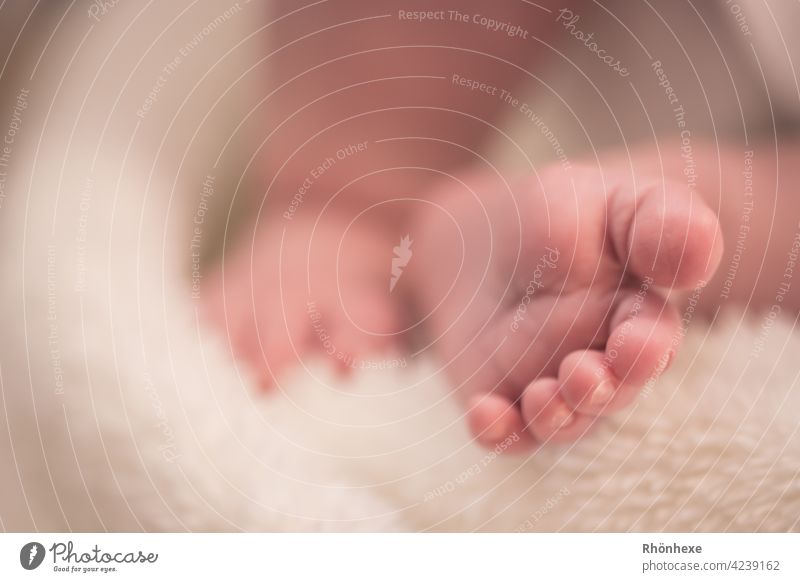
(494, 419)
(589, 387)
(644, 335)
(549, 418)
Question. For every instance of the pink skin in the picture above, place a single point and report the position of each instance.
(318, 290)
(381, 94)
(596, 326)
(590, 337)
(378, 93)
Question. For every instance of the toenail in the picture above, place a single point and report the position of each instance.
(602, 394)
(561, 418)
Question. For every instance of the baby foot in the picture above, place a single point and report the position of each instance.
(305, 287)
(542, 298)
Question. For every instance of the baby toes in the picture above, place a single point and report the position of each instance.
(493, 419)
(640, 346)
(644, 335)
(548, 416)
(668, 234)
(589, 387)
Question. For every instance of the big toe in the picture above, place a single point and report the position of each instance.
(672, 237)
